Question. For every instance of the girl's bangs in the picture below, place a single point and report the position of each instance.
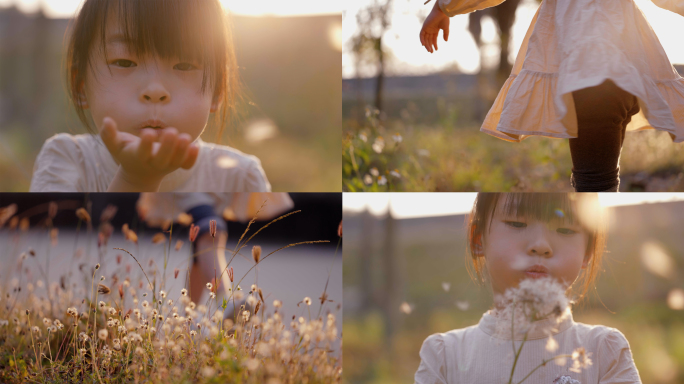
(539, 206)
(170, 29)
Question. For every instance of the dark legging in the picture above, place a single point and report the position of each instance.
(603, 113)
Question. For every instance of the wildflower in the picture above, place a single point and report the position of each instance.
(363, 137)
(378, 144)
(307, 300)
(277, 303)
(208, 372)
(212, 228)
(175, 273)
(35, 329)
(565, 380)
(112, 311)
(145, 303)
(374, 171)
(82, 214)
(245, 316)
(83, 337)
(212, 295)
(209, 286)
(382, 180)
(256, 253)
(82, 351)
(254, 288)
(162, 294)
(580, 360)
(395, 173)
(102, 304)
(121, 292)
(102, 334)
(193, 333)
(397, 138)
(158, 238)
(194, 231)
(230, 274)
(97, 266)
(367, 179)
(47, 321)
(72, 312)
(103, 289)
(27, 312)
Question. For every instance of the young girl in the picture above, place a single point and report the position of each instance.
(150, 73)
(514, 238)
(586, 71)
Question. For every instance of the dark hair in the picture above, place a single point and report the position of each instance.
(581, 208)
(197, 29)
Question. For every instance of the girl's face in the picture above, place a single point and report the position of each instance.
(157, 94)
(516, 248)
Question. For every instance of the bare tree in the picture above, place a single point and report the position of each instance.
(373, 22)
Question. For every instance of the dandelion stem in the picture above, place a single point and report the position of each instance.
(543, 363)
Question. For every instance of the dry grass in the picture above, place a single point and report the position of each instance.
(117, 335)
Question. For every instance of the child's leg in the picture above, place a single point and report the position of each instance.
(603, 113)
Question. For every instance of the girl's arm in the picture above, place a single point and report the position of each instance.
(443, 9)
(143, 162)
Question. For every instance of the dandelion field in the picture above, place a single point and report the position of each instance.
(130, 318)
(403, 154)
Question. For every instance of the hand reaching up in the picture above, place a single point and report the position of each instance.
(435, 21)
(145, 160)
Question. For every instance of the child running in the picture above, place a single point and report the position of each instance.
(538, 251)
(150, 73)
(586, 71)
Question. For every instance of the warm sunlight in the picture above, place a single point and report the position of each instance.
(407, 205)
(67, 8)
(410, 58)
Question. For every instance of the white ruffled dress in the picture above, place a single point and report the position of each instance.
(576, 44)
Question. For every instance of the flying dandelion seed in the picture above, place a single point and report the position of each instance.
(462, 305)
(657, 260)
(406, 308)
(446, 286)
(675, 299)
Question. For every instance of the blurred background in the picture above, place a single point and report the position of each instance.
(405, 279)
(289, 57)
(289, 275)
(411, 119)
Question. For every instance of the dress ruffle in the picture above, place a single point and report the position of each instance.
(536, 100)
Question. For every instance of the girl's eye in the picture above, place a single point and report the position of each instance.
(124, 63)
(184, 66)
(515, 224)
(566, 231)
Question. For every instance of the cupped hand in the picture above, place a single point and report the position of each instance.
(151, 156)
(435, 21)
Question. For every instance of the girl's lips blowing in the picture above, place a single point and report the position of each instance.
(537, 271)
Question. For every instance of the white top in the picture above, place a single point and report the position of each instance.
(475, 355)
(571, 45)
(82, 163)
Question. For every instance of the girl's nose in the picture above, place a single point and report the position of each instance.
(539, 243)
(155, 92)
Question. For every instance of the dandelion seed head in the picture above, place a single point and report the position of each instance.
(102, 334)
(209, 286)
(307, 300)
(184, 292)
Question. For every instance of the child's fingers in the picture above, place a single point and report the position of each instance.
(190, 156)
(109, 135)
(178, 155)
(147, 139)
(434, 41)
(168, 143)
(446, 34)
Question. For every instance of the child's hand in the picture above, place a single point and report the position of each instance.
(435, 21)
(143, 161)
